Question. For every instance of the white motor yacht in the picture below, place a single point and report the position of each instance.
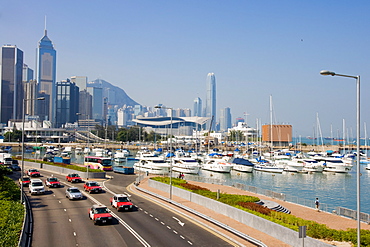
(217, 164)
(336, 165)
(153, 165)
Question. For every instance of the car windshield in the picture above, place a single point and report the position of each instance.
(74, 175)
(26, 179)
(123, 199)
(37, 184)
(53, 179)
(74, 190)
(101, 210)
(33, 170)
(94, 184)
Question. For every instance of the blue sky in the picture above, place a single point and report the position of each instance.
(162, 51)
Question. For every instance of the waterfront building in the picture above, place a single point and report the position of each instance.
(248, 132)
(197, 107)
(239, 120)
(46, 76)
(277, 134)
(210, 108)
(67, 102)
(225, 119)
(162, 125)
(11, 88)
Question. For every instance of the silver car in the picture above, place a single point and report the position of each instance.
(74, 193)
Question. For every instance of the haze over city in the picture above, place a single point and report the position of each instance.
(161, 52)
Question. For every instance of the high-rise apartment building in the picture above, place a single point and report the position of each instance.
(197, 107)
(46, 76)
(225, 119)
(11, 88)
(67, 103)
(210, 108)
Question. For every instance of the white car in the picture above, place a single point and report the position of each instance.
(36, 187)
(74, 193)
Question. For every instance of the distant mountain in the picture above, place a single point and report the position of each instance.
(115, 95)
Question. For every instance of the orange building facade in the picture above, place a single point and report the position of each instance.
(278, 134)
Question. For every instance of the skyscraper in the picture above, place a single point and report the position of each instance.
(210, 108)
(67, 102)
(11, 89)
(197, 107)
(46, 76)
(225, 119)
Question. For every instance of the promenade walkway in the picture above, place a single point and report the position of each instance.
(331, 220)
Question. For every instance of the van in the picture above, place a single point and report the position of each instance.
(36, 187)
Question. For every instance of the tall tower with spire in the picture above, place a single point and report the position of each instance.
(46, 78)
(210, 108)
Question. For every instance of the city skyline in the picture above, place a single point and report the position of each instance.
(157, 54)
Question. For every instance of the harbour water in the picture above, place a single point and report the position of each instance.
(332, 189)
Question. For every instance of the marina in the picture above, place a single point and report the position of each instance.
(333, 189)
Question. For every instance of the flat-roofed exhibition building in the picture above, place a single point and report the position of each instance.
(180, 125)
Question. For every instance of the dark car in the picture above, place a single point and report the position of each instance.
(15, 167)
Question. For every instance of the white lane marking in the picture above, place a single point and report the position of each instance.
(179, 221)
(74, 233)
(151, 215)
(156, 219)
(70, 220)
(162, 222)
(182, 237)
(169, 227)
(65, 210)
(174, 232)
(190, 243)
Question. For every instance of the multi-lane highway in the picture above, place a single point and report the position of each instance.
(61, 222)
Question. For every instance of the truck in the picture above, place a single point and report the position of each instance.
(5, 158)
(123, 169)
(62, 159)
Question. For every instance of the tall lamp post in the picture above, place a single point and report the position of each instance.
(326, 72)
(169, 108)
(23, 117)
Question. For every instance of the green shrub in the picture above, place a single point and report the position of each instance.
(11, 221)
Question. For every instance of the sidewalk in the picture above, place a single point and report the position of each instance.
(331, 220)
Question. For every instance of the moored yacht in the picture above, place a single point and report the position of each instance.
(242, 165)
(336, 165)
(217, 164)
(153, 165)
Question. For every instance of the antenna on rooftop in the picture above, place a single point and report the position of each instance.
(45, 27)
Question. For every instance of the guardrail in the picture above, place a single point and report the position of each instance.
(364, 217)
(25, 239)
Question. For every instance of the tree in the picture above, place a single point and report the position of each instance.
(13, 136)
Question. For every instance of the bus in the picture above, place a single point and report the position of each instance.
(101, 163)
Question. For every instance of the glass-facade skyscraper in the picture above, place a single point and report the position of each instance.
(225, 119)
(46, 77)
(197, 107)
(210, 108)
(67, 102)
(11, 88)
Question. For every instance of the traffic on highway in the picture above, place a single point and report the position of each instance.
(70, 215)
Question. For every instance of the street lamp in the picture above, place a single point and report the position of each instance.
(169, 108)
(23, 117)
(326, 72)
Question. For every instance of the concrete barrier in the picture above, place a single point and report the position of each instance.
(277, 231)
